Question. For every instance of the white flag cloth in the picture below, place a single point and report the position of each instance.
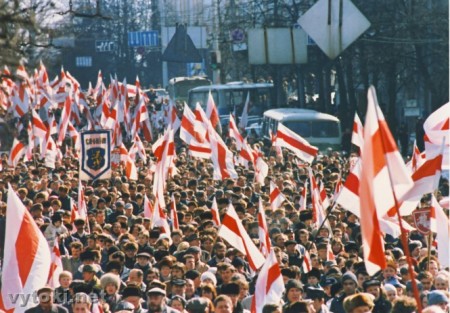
(294, 142)
(235, 234)
(440, 225)
(269, 286)
(27, 258)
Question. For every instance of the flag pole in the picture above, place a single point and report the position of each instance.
(404, 240)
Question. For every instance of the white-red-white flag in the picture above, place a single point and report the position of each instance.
(319, 215)
(294, 142)
(269, 285)
(18, 150)
(65, 119)
(426, 180)
(261, 168)
(275, 196)
(244, 116)
(27, 260)
(215, 212)
(235, 234)
(39, 128)
(148, 207)
(222, 158)
(383, 177)
(358, 133)
(174, 214)
(437, 127)
(440, 224)
(211, 111)
(417, 159)
(263, 231)
(303, 198)
(306, 264)
(56, 266)
(193, 133)
(234, 133)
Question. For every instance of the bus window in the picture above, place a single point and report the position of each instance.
(303, 128)
(325, 129)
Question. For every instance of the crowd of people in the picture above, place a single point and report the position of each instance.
(115, 261)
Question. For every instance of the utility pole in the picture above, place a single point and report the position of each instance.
(215, 43)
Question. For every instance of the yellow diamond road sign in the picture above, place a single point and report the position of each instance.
(334, 25)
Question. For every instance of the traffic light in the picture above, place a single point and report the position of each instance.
(215, 59)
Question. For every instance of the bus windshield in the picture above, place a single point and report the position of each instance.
(317, 129)
(179, 86)
(233, 100)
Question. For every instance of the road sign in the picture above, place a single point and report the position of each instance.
(237, 35)
(105, 45)
(334, 25)
(83, 61)
(143, 39)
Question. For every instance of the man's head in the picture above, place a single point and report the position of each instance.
(349, 283)
(81, 303)
(156, 299)
(359, 303)
(45, 296)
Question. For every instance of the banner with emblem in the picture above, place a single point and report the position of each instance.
(95, 160)
(422, 220)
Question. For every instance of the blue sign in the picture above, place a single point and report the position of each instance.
(143, 39)
(95, 155)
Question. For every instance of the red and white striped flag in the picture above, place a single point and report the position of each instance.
(417, 159)
(269, 285)
(27, 260)
(382, 169)
(130, 166)
(17, 152)
(263, 231)
(65, 119)
(222, 158)
(39, 128)
(306, 264)
(358, 133)
(56, 266)
(193, 133)
(319, 215)
(211, 111)
(294, 142)
(437, 127)
(244, 117)
(426, 180)
(323, 196)
(303, 198)
(235, 234)
(261, 168)
(276, 197)
(148, 207)
(159, 216)
(215, 212)
(234, 133)
(440, 224)
(173, 214)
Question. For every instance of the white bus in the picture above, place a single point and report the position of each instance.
(231, 97)
(319, 129)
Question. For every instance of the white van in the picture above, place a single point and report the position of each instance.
(319, 129)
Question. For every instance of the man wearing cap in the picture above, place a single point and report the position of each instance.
(133, 294)
(178, 288)
(358, 303)
(118, 210)
(156, 301)
(196, 305)
(293, 292)
(199, 265)
(232, 290)
(317, 295)
(46, 304)
(90, 278)
(373, 287)
(349, 284)
(439, 298)
(295, 258)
